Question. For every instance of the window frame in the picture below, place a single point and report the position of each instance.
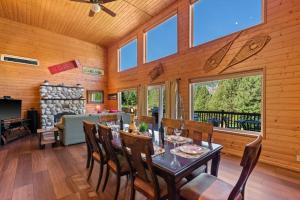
(145, 39)
(119, 54)
(191, 26)
(259, 71)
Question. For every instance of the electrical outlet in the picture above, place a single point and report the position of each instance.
(298, 158)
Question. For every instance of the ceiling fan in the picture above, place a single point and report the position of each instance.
(97, 6)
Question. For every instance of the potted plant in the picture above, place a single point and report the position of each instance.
(143, 127)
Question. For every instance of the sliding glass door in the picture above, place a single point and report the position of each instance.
(156, 103)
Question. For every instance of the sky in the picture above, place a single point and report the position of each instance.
(212, 19)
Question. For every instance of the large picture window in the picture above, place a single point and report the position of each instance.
(128, 55)
(231, 103)
(213, 19)
(161, 41)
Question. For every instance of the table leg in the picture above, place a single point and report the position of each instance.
(215, 164)
(172, 189)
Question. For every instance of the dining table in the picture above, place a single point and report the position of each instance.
(172, 168)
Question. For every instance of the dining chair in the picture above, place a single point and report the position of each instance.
(109, 118)
(138, 148)
(117, 163)
(208, 187)
(96, 151)
(199, 131)
(147, 120)
(88, 148)
(171, 124)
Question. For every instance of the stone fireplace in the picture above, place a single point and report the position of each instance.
(58, 99)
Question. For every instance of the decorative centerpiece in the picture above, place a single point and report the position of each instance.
(132, 127)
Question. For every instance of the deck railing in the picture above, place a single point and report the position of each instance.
(233, 120)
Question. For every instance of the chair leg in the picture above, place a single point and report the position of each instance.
(132, 193)
(88, 161)
(118, 186)
(106, 178)
(206, 168)
(91, 169)
(100, 176)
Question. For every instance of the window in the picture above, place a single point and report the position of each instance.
(213, 19)
(128, 56)
(128, 101)
(232, 103)
(161, 41)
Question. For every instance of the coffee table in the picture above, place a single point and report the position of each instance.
(47, 136)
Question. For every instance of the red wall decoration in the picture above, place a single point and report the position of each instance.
(64, 66)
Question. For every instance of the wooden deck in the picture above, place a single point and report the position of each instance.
(28, 173)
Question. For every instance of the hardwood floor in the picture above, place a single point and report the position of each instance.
(27, 173)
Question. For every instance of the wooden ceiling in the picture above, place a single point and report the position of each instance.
(71, 18)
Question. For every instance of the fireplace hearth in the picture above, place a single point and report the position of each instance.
(57, 100)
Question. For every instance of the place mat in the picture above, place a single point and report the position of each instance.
(178, 139)
(177, 152)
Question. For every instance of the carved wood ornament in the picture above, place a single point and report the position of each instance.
(250, 48)
(215, 60)
(156, 72)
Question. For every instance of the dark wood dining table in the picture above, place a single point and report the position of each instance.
(172, 174)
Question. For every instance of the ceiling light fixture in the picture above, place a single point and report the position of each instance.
(95, 8)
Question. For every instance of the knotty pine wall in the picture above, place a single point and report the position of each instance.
(23, 81)
(280, 60)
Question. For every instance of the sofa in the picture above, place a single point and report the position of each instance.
(72, 126)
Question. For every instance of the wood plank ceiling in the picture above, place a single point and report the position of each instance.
(71, 18)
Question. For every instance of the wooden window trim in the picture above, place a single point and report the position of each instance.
(119, 53)
(191, 21)
(149, 28)
(258, 71)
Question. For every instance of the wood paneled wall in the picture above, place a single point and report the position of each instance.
(280, 59)
(23, 81)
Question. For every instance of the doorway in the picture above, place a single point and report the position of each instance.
(156, 103)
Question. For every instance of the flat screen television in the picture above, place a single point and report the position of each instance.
(10, 108)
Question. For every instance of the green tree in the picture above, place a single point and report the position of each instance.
(201, 97)
(248, 95)
(223, 97)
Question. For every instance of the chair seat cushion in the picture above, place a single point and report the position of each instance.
(123, 164)
(207, 187)
(196, 172)
(147, 189)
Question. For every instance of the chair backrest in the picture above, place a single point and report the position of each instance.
(197, 130)
(250, 157)
(134, 146)
(147, 120)
(105, 134)
(109, 118)
(171, 124)
(90, 132)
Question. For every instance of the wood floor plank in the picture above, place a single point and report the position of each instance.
(57, 175)
(60, 174)
(38, 161)
(24, 170)
(7, 179)
(23, 193)
(42, 186)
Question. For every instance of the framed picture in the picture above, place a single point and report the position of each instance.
(113, 96)
(95, 96)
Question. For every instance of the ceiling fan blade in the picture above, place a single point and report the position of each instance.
(108, 11)
(91, 13)
(81, 1)
(107, 1)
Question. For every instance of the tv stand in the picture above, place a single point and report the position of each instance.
(12, 129)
